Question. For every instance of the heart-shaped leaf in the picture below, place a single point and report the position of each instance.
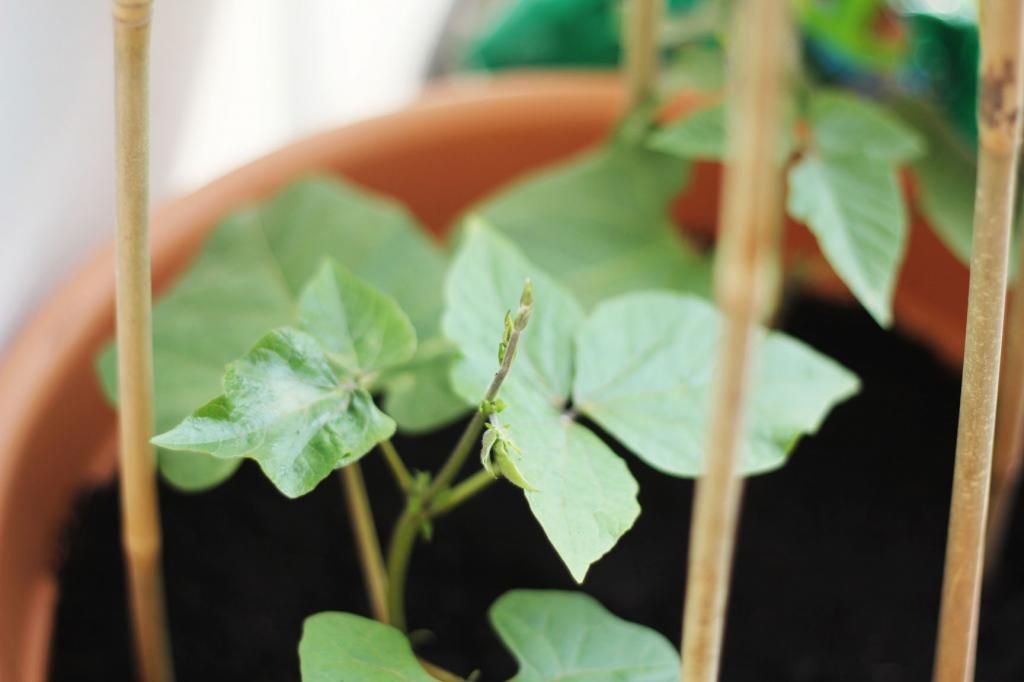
(854, 206)
(846, 124)
(582, 492)
(600, 223)
(644, 372)
(698, 135)
(247, 280)
(342, 646)
(419, 393)
(360, 328)
(569, 637)
(285, 406)
(945, 178)
(584, 497)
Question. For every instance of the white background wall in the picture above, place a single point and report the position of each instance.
(231, 80)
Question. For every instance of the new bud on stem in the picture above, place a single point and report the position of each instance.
(515, 325)
(498, 455)
(525, 306)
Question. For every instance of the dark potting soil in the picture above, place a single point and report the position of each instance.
(838, 567)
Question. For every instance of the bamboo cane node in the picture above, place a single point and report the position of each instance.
(132, 13)
(997, 105)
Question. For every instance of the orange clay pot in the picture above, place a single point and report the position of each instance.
(463, 140)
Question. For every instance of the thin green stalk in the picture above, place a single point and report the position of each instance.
(468, 440)
(419, 508)
(399, 553)
(403, 539)
(398, 469)
(367, 543)
(467, 443)
(462, 492)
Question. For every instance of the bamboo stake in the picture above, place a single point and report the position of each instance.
(642, 19)
(745, 291)
(1008, 454)
(999, 105)
(367, 540)
(140, 516)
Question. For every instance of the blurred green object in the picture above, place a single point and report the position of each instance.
(553, 33)
(944, 55)
(863, 35)
(874, 46)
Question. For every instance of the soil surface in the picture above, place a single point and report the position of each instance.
(838, 568)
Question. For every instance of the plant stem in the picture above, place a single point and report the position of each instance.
(403, 538)
(1000, 103)
(419, 508)
(744, 287)
(367, 542)
(640, 39)
(462, 492)
(468, 441)
(140, 514)
(398, 469)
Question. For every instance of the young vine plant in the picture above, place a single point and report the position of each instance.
(311, 328)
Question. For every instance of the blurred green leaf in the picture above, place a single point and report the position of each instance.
(698, 135)
(360, 328)
(570, 637)
(946, 177)
(600, 223)
(246, 280)
(847, 124)
(343, 647)
(855, 208)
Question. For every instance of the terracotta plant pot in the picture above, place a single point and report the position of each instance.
(463, 140)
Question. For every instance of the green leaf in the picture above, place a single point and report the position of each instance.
(698, 135)
(600, 223)
(485, 281)
(701, 135)
(285, 406)
(195, 471)
(419, 394)
(855, 208)
(247, 279)
(570, 637)
(342, 646)
(845, 124)
(230, 296)
(946, 177)
(699, 65)
(362, 329)
(585, 497)
(373, 237)
(644, 371)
